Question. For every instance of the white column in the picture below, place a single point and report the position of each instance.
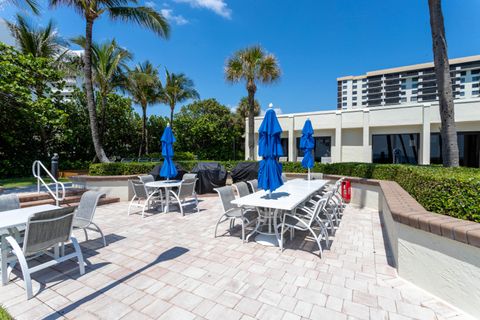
(247, 150)
(291, 139)
(337, 156)
(425, 136)
(367, 148)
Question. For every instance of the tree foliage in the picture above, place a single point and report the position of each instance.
(29, 122)
(208, 129)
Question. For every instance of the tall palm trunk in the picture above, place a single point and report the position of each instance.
(144, 129)
(172, 108)
(103, 126)
(444, 84)
(92, 111)
(251, 88)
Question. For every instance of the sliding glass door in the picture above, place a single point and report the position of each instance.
(395, 148)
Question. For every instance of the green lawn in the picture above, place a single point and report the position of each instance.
(23, 182)
(4, 314)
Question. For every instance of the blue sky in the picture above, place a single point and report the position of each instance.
(315, 41)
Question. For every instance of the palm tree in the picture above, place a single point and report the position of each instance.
(109, 66)
(142, 84)
(444, 84)
(32, 4)
(39, 42)
(91, 10)
(178, 88)
(242, 108)
(251, 65)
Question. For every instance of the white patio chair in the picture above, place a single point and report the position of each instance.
(45, 230)
(232, 212)
(329, 211)
(253, 185)
(142, 198)
(303, 219)
(84, 213)
(241, 188)
(186, 191)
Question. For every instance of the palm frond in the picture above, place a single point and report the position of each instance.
(143, 16)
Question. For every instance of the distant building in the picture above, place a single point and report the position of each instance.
(389, 116)
(73, 81)
(407, 85)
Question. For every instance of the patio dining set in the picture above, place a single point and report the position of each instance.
(303, 205)
(44, 230)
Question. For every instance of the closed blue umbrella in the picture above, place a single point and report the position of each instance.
(307, 143)
(168, 168)
(270, 148)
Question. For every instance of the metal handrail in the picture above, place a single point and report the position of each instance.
(36, 167)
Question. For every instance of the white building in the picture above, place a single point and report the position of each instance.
(406, 133)
(408, 84)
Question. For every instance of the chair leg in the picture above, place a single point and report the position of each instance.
(101, 233)
(78, 251)
(86, 234)
(130, 206)
(243, 231)
(179, 202)
(196, 203)
(216, 226)
(143, 209)
(23, 264)
(317, 239)
(281, 236)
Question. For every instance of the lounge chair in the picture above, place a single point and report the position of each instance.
(83, 218)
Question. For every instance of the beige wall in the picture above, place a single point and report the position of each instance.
(351, 130)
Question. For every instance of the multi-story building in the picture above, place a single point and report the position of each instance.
(390, 116)
(406, 85)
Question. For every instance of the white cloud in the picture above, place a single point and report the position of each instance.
(150, 4)
(217, 6)
(177, 19)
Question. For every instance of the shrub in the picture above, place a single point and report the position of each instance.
(451, 191)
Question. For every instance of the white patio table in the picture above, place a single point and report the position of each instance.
(286, 198)
(167, 185)
(16, 218)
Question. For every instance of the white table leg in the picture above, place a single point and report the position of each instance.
(4, 261)
(167, 200)
(275, 226)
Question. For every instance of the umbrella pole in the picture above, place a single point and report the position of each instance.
(308, 174)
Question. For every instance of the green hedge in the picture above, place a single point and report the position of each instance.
(451, 191)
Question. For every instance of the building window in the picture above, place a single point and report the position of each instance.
(468, 148)
(364, 91)
(413, 98)
(475, 85)
(344, 98)
(344, 87)
(364, 85)
(462, 94)
(344, 92)
(284, 143)
(414, 85)
(475, 78)
(403, 100)
(404, 86)
(354, 92)
(462, 87)
(344, 104)
(354, 98)
(475, 92)
(354, 86)
(395, 148)
(463, 73)
(354, 104)
(462, 80)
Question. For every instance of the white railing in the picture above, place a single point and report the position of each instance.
(37, 166)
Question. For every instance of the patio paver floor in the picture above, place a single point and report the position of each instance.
(166, 266)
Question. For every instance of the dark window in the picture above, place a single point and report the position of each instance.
(354, 104)
(395, 148)
(322, 148)
(468, 148)
(284, 142)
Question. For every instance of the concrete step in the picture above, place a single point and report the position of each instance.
(71, 200)
(29, 197)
